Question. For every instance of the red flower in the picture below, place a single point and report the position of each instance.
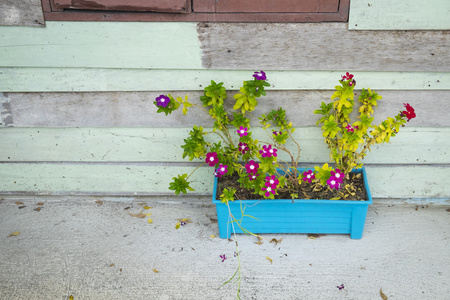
(347, 76)
(409, 112)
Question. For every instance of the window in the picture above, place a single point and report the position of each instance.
(197, 10)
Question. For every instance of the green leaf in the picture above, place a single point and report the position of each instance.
(180, 184)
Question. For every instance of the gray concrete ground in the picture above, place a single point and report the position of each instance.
(77, 247)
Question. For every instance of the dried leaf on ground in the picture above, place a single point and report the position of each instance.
(99, 203)
(112, 265)
(155, 271)
(177, 226)
(23, 206)
(313, 236)
(260, 240)
(16, 233)
(37, 209)
(147, 207)
(448, 209)
(150, 221)
(40, 203)
(383, 296)
(19, 203)
(274, 240)
(70, 297)
(142, 203)
(212, 236)
(139, 215)
(269, 259)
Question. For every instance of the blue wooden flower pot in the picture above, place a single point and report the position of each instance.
(294, 216)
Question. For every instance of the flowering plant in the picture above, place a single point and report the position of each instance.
(257, 164)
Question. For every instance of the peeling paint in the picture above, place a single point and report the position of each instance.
(6, 118)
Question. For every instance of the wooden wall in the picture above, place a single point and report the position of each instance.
(77, 114)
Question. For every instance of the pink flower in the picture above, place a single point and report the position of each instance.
(211, 159)
(243, 147)
(273, 181)
(309, 176)
(333, 183)
(252, 167)
(338, 175)
(221, 170)
(268, 151)
(275, 133)
(252, 176)
(349, 128)
(242, 131)
(268, 189)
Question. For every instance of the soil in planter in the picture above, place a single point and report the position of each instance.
(306, 190)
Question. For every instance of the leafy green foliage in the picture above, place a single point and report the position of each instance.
(180, 184)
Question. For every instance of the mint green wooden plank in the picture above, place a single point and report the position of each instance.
(103, 45)
(412, 145)
(92, 79)
(413, 182)
(399, 15)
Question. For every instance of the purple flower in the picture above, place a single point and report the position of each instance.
(340, 287)
(223, 257)
(162, 100)
(183, 223)
(275, 133)
(252, 167)
(260, 75)
(308, 176)
(211, 159)
(273, 181)
(268, 189)
(333, 183)
(242, 131)
(221, 170)
(338, 175)
(268, 151)
(243, 147)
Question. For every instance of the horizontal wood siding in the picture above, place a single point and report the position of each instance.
(399, 15)
(327, 46)
(77, 114)
(293, 46)
(93, 79)
(129, 109)
(139, 179)
(413, 145)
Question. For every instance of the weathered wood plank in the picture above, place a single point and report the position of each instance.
(159, 145)
(129, 179)
(102, 44)
(400, 15)
(112, 80)
(127, 109)
(324, 46)
(21, 13)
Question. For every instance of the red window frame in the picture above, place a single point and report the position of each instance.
(197, 10)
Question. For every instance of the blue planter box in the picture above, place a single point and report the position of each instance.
(298, 216)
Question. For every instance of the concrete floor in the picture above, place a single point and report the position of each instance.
(96, 250)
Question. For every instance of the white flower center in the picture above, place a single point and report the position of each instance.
(252, 167)
(308, 176)
(271, 150)
(268, 189)
(337, 175)
(271, 181)
(222, 169)
(242, 131)
(333, 182)
(211, 158)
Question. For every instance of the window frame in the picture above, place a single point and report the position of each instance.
(201, 11)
